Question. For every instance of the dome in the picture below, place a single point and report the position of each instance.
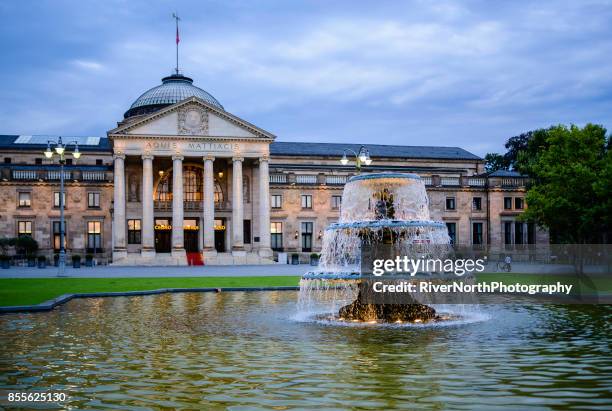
(173, 89)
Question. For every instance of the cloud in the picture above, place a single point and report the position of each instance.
(447, 73)
(88, 65)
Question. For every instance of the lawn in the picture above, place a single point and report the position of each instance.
(26, 291)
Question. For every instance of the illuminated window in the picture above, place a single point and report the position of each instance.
(24, 228)
(276, 231)
(57, 236)
(94, 235)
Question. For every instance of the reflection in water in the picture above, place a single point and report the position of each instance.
(236, 349)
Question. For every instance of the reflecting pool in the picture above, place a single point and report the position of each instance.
(240, 350)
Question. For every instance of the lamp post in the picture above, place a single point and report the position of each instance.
(361, 157)
(59, 148)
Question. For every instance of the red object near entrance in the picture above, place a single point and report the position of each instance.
(194, 259)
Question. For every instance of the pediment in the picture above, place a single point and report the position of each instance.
(192, 117)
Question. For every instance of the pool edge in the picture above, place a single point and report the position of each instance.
(64, 298)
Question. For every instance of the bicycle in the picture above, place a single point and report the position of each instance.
(503, 266)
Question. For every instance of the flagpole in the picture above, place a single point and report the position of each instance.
(177, 18)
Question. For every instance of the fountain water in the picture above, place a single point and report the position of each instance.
(388, 211)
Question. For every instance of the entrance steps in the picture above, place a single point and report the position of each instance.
(159, 259)
(167, 259)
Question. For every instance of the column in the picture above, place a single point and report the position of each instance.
(119, 228)
(148, 234)
(237, 206)
(178, 237)
(264, 208)
(208, 218)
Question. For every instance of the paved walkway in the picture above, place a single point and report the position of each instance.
(234, 271)
(131, 272)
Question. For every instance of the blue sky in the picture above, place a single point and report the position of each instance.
(468, 74)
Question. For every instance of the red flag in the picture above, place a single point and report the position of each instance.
(177, 35)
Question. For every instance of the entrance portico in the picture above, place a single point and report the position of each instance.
(191, 162)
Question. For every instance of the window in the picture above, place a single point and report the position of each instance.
(276, 231)
(99, 162)
(518, 203)
(134, 232)
(246, 231)
(24, 228)
(531, 233)
(25, 199)
(57, 236)
(218, 193)
(507, 203)
(477, 233)
(477, 203)
(93, 200)
(68, 161)
(38, 161)
(94, 235)
(307, 228)
(56, 199)
(452, 232)
(508, 232)
(7, 160)
(306, 201)
(518, 232)
(276, 201)
(336, 201)
(450, 203)
(192, 183)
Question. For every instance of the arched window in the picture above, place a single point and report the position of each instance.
(192, 184)
(218, 193)
(164, 189)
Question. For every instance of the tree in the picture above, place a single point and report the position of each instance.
(521, 150)
(570, 170)
(494, 162)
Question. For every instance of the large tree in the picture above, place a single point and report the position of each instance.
(570, 170)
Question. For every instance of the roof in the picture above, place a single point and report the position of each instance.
(503, 173)
(39, 142)
(173, 89)
(376, 150)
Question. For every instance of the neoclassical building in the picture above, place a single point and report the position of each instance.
(181, 180)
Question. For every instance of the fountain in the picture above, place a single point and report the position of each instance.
(382, 214)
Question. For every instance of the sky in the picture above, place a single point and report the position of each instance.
(439, 73)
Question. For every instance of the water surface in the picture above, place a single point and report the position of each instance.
(246, 351)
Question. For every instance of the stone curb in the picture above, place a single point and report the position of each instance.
(62, 299)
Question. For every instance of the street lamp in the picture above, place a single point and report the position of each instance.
(361, 157)
(60, 149)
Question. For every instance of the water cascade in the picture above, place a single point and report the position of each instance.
(379, 211)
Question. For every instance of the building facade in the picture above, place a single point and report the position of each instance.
(180, 180)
